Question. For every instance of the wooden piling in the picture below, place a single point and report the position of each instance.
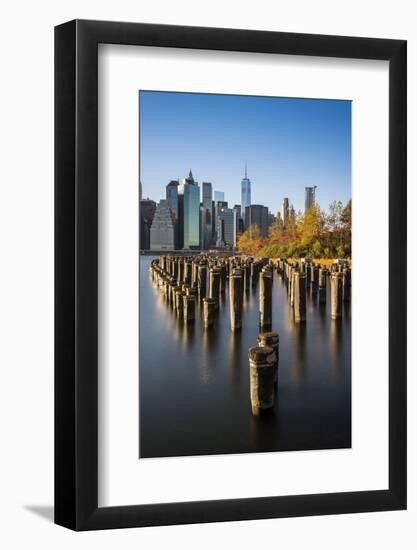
(209, 306)
(214, 285)
(314, 279)
(261, 373)
(300, 286)
(347, 274)
(235, 301)
(189, 308)
(265, 299)
(202, 281)
(271, 339)
(336, 292)
(322, 285)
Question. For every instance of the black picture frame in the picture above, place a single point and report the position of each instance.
(76, 272)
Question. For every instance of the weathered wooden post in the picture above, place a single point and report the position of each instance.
(189, 308)
(308, 274)
(235, 301)
(271, 340)
(300, 315)
(292, 285)
(174, 269)
(314, 279)
(202, 281)
(187, 272)
(322, 285)
(254, 273)
(265, 299)
(214, 285)
(289, 281)
(194, 274)
(246, 274)
(180, 273)
(192, 292)
(336, 292)
(261, 372)
(162, 262)
(346, 284)
(209, 306)
(223, 277)
(179, 306)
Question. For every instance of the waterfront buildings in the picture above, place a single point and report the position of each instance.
(309, 198)
(189, 213)
(146, 213)
(162, 231)
(246, 195)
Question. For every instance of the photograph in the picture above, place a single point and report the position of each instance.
(245, 274)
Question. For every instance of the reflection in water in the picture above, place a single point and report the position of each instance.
(235, 356)
(299, 352)
(336, 341)
(194, 382)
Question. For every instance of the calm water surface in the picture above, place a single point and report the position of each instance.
(194, 383)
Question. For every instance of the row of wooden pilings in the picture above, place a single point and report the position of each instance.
(189, 282)
(202, 280)
(304, 276)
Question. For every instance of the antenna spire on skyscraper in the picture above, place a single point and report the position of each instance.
(246, 168)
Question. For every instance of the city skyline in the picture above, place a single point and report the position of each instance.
(288, 144)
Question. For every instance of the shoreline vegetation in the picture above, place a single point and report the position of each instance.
(314, 235)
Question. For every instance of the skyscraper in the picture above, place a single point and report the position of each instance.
(257, 214)
(218, 206)
(207, 219)
(310, 198)
(237, 209)
(172, 198)
(246, 194)
(286, 210)
(189, 213)
(163, 227)
(225, 227)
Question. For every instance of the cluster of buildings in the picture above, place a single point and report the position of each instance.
(198, 218)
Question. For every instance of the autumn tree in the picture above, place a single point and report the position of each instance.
(250, 242)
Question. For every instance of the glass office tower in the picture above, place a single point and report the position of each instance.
(189, 212)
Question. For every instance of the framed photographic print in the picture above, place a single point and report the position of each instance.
(230, 275)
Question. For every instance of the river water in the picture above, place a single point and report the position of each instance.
(194, 383)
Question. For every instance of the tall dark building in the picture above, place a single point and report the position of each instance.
(146, 213)
(218, 207)
(239, 229)
(206, 214)
(286, 210)
(257, 214)
(309, 198)
(172, 198)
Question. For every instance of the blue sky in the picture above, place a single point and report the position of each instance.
(288, 144)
